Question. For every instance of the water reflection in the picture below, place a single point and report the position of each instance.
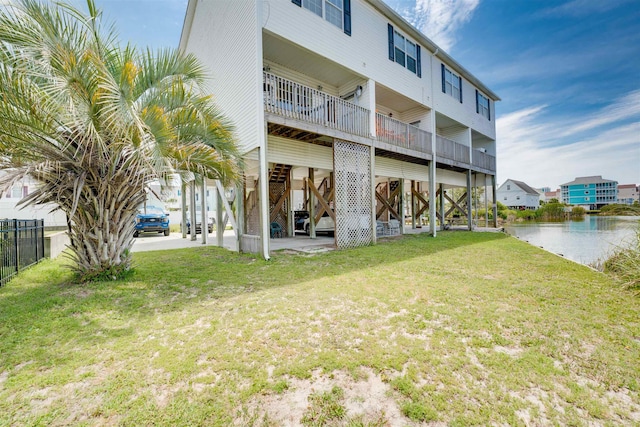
(586, 241)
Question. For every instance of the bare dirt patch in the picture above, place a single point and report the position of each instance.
(368, 399)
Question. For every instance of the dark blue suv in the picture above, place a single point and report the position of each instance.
(151, 220)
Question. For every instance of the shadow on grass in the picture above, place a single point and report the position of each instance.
(42, 307)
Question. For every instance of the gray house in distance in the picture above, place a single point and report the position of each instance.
(518, 195)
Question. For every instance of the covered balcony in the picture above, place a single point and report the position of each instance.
(451, 152)
(395, 133)
(289, 99)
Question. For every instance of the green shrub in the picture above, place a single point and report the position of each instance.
(578, 211)
(526, 215)
(620, 210)
(624, 264)
(551, 211)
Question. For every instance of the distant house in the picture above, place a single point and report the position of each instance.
(9, 208)
(591, 192)
(628, 193)
(548, 195)
(518, 195)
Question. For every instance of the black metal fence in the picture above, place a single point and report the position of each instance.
(21, 245)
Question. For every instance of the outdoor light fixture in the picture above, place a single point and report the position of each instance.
(357, 92)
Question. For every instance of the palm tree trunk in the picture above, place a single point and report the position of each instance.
(102, 228)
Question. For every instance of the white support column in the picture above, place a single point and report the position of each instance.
(312, 204)
(369, 102)
(413, 205)
(469, 202)
(495, 201)
(486, 203)
(265, 234)
(291, 222)
(432, 177)
(240, 197)
(183, 202)
(192, 208)
(203, 211)
(442, 211)
(220, 226)
(374, 224)
(432, 165)
(401, 205)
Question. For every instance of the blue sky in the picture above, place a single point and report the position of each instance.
(568, 73)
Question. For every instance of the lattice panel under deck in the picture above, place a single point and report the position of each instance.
(352, 168)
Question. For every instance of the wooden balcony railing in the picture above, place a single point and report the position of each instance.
(395, 132)
(483, 160)
(290, 99)
(448, 149)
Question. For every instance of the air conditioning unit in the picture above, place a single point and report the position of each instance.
(482, 150)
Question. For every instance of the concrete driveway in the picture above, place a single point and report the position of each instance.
(157, 242)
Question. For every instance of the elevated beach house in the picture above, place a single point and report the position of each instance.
(343, 110)
(591, 192)
(518, 195)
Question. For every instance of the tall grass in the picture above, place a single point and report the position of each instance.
(625, 263)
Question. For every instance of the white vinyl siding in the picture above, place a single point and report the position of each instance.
(297, 153)
(392, 168)
(236, 84)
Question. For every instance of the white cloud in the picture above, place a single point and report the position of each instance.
(548, 152)
(440, 19)
(584, 7)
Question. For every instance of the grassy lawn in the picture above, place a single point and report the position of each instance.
(464, 329)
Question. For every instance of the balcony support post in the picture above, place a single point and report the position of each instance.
(374, 225)
(263, 194)
(413, 205)
(469, 202)
(312, 205)
(432, 178)
(495, 201)
(204, 217)
(441, 194)
(192, 208)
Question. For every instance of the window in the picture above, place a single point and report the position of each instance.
(338, 12)
(451, 83)
(508, 187)
(16, 191)
(482, 105)
(333, 12)
(398, 42)
(505, 197)
(404, 51)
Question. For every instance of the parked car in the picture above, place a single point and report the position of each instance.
(325, 225)
(151, 219)
(210, 223)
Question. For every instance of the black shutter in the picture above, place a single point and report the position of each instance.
(418, 63)
(392, 55)
(444, 89)
(297, 2)
(477, 102)
(489, 109)
(346, 7)
(460, 89)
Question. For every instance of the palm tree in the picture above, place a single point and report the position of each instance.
(95, 123)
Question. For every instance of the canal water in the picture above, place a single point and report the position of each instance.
(589, 241)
